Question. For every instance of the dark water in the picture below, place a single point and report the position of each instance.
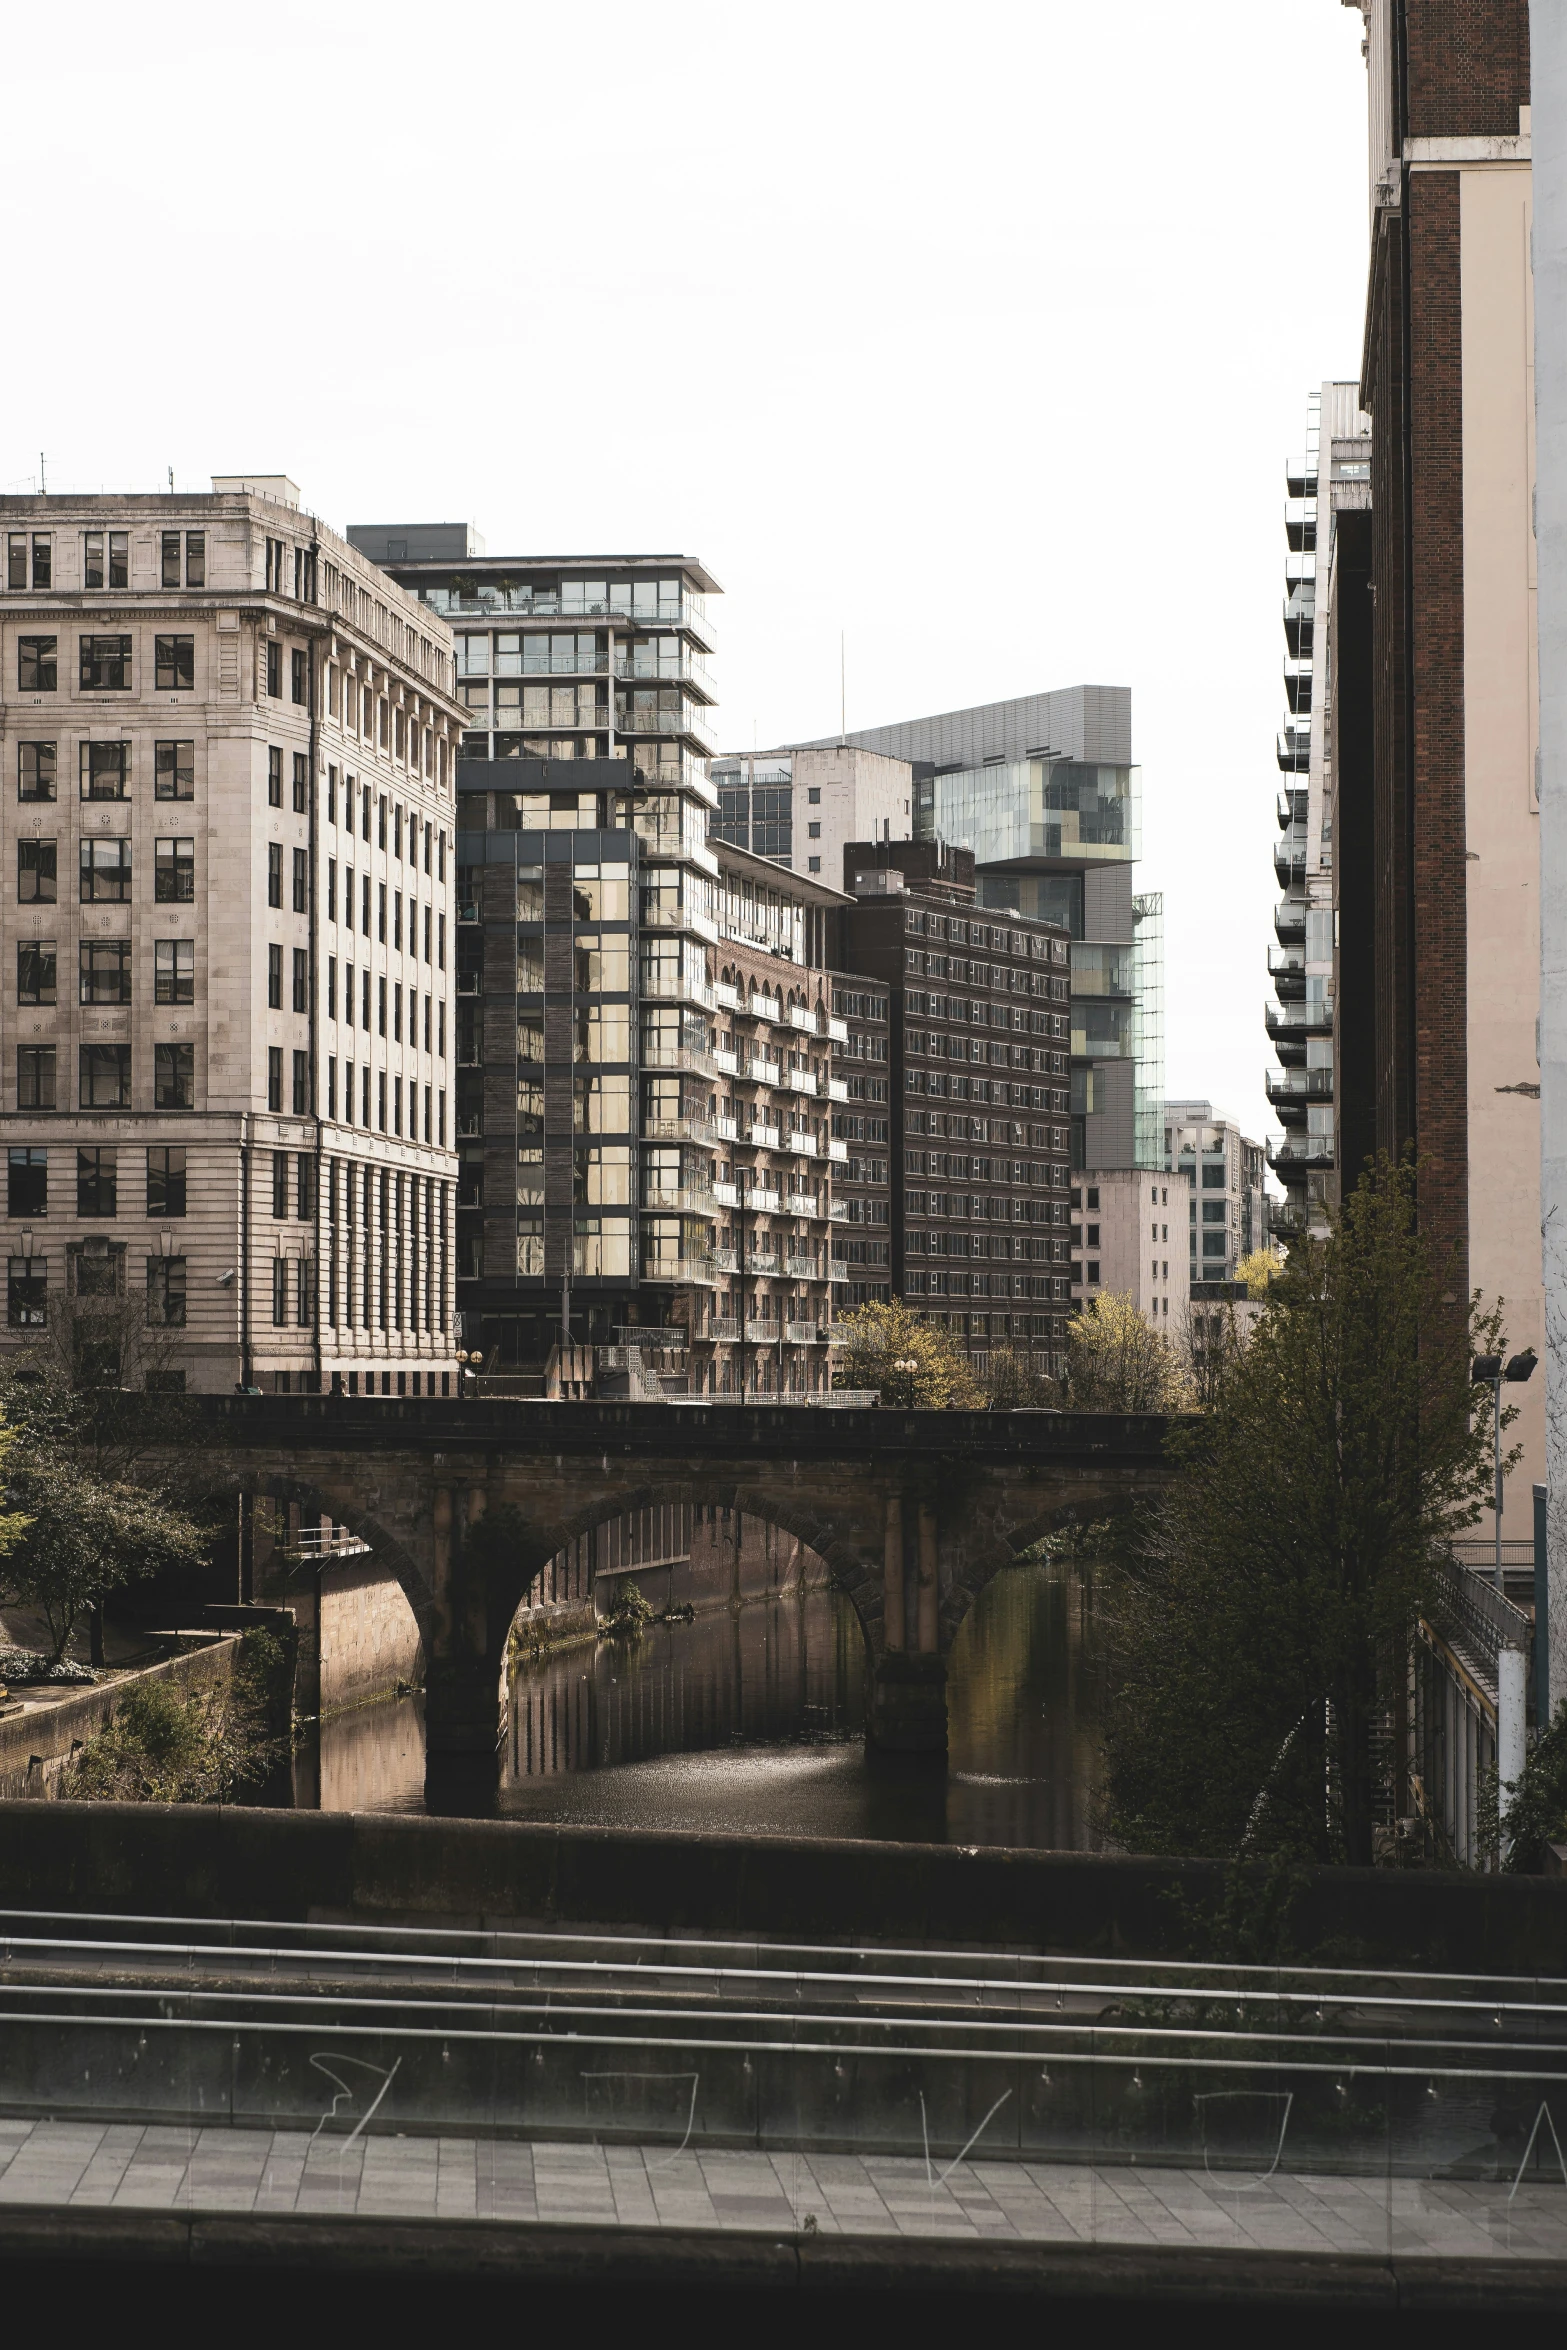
(752, 1720)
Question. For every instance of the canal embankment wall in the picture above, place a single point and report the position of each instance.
(380, 1868)
(39, 1743)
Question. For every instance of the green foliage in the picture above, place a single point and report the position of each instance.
(205, 1746)
(914, 1365)
(1118, 1362)
(79, 1527)
(1259, 1271)
(632, 1612)
(1252, 1636)
(1013, 1384)
(1537, 1811)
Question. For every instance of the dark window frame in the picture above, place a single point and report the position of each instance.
(174, 870)
(100, 671)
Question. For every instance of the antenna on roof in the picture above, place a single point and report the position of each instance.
(171, 481)
(43, 487)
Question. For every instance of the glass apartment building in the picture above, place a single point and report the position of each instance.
(1044, 792)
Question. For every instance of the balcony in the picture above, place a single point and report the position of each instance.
(1293, 748)
(800, 1080)
(839, 1211)
(837, 1150)
(718, 1329)
(761, 1201)
(801, 1333)
(803, 1203)
(802, 1017)
(1286, 1020)
(1291, 805)
(762, 1138)
(723, 1260)
(838, 1030)
(764, 1007)
(688, 1199)
(684, 1272)
(1289, 860)
(804, 1143)
(760, 1070)
(657, 1055)
(726, 996)
(725, 1129)
(763, 1333)
(726, 1195)
(837, 1089)
(657, 915)
(672, 663)
(684, 1129)
(763, 1263)
(727, 1061)
(1289, 922)
(676, 987)
(802, 1269)
(1298, 1153)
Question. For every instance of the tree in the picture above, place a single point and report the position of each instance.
(915, 1365)
(1013, 1384)
(91, 1519)
(1259, 1270)
(1118, 1362)
(1256, 1631)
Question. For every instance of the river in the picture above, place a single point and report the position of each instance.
(751, 1719)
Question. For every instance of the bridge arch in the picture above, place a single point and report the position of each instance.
(511, 1573)
(322, 1498)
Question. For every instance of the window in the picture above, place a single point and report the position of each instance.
(35, 771)
(119, 559)
(274, 567)
(174, 971)
(104, 870)
(331, 889)
(195, 558)
(36, 981)
(275, 671)
(174, 872)
(298, 676)
(105, 664)
(43, 559)
(381, 1004)
(274, 873)
(397, 921)
(813, 864)
(174, 1077)
(106, 771)
(175, 771)
(427, 933)
(364, 797)
(1213, 1178)
(381, 824)
(105, 1078)
(174, 664)
(166, 1292)
(37, 664)
(301, 881)
(36, 880)
(381, 908)
(27, 1182)
(170, 576)
(813, 832)
(27, 1293)
(274, 777)
(275, 978)
(103, 968)
(279, 1291)
(304, 1185)
(301, 980)
(440, 941)
(331, 1085)
(280, 1185)
(365, 905)
(301, 783)
(166, 1180)
(35, 1076)
(303, 1301)
(274, 1077)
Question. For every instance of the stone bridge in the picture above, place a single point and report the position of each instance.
(914, 1512)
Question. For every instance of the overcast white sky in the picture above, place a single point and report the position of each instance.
(979, 334)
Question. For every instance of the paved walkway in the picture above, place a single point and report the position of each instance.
(129, 2166)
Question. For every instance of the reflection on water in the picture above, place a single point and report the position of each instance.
(751, 1720)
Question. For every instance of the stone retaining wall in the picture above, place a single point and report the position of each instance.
(36, 1746)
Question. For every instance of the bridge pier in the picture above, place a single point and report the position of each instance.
(907, 1712)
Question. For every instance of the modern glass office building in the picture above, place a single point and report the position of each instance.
(1044, 792)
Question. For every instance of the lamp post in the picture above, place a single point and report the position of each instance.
(1489, 1371)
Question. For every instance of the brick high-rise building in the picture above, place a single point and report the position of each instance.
(1434, 767)
(979, 1148)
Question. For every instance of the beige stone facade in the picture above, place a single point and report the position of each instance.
(215, 711)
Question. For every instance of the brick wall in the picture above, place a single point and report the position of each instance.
(1384, 380)
(1436, 751)
(1468, 67)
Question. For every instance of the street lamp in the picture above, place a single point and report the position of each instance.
(1489, 1371)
